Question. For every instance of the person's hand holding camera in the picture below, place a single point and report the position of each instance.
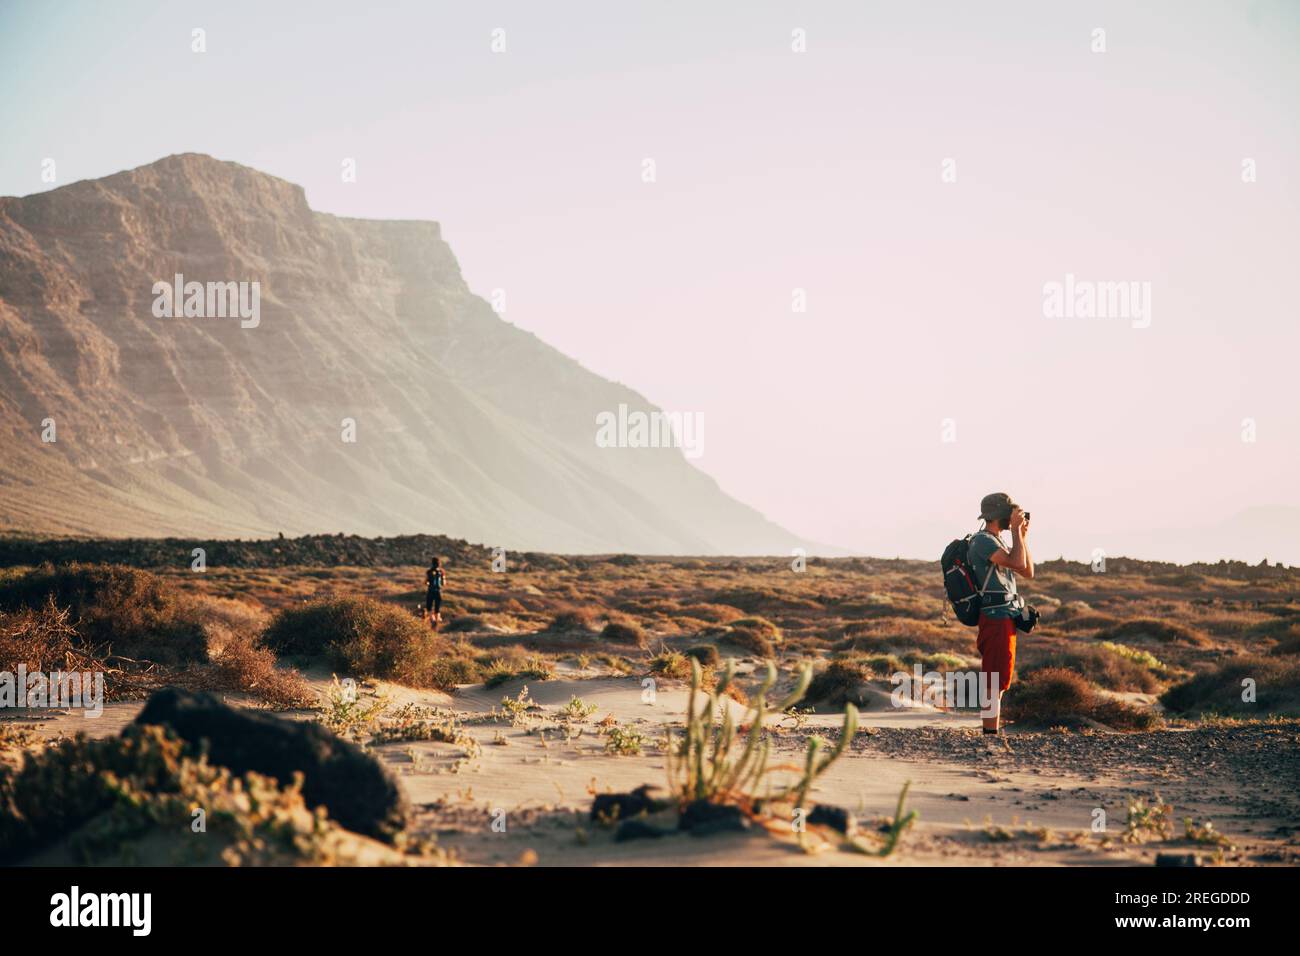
(1019, 523)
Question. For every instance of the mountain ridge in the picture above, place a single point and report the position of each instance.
(464, 424)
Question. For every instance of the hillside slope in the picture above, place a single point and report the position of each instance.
(465, 425)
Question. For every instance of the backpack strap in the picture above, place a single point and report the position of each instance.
(985, 585)
(988, 577)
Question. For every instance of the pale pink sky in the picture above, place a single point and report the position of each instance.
(777, 171)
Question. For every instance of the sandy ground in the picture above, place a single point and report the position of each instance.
(1029, 799)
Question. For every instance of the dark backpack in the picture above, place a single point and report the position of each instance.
(959, 581)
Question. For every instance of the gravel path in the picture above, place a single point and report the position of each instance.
(1255, 768)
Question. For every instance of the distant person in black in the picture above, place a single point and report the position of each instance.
(435, 579)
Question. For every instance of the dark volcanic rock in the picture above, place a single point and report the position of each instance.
(623, 806)
(702, 818)
(638, 830)
(355, 789)
(837, 818)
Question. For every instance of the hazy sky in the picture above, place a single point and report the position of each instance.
(776, 171)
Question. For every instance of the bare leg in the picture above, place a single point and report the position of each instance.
(994, 724)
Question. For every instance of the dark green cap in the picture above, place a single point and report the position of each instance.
(997, 506)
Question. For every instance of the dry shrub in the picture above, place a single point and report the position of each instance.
(714, 613)
(838, 683)
(757, 635)
(254, 671)
(1153, 629)
(133, 614)
(751, 600)
(240, 661)
(513, 663)
(1261, 626)
(1083, 622)
(896, 634)
(1049, 695)
(363, 637)
(1120, 715)
(1284, 609)
(1055, 696)
(759, 625)
(1179, 579)
(670, 664)
(706, 654)
(448, 671)
(646, 606)
(575, 619)
(45, 640)
(675, 626)
(42, 640)
(876, 604)
(750, 640)
(1103, 667)
(465, 622)
(805, 643)
(1289, 643)
(1219, 690)
(624, 632)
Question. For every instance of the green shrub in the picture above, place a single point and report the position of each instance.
(943, 662)
(1145, 658)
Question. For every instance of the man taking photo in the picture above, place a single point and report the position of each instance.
(995, 567)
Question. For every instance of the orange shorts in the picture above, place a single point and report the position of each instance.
(997, 647)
